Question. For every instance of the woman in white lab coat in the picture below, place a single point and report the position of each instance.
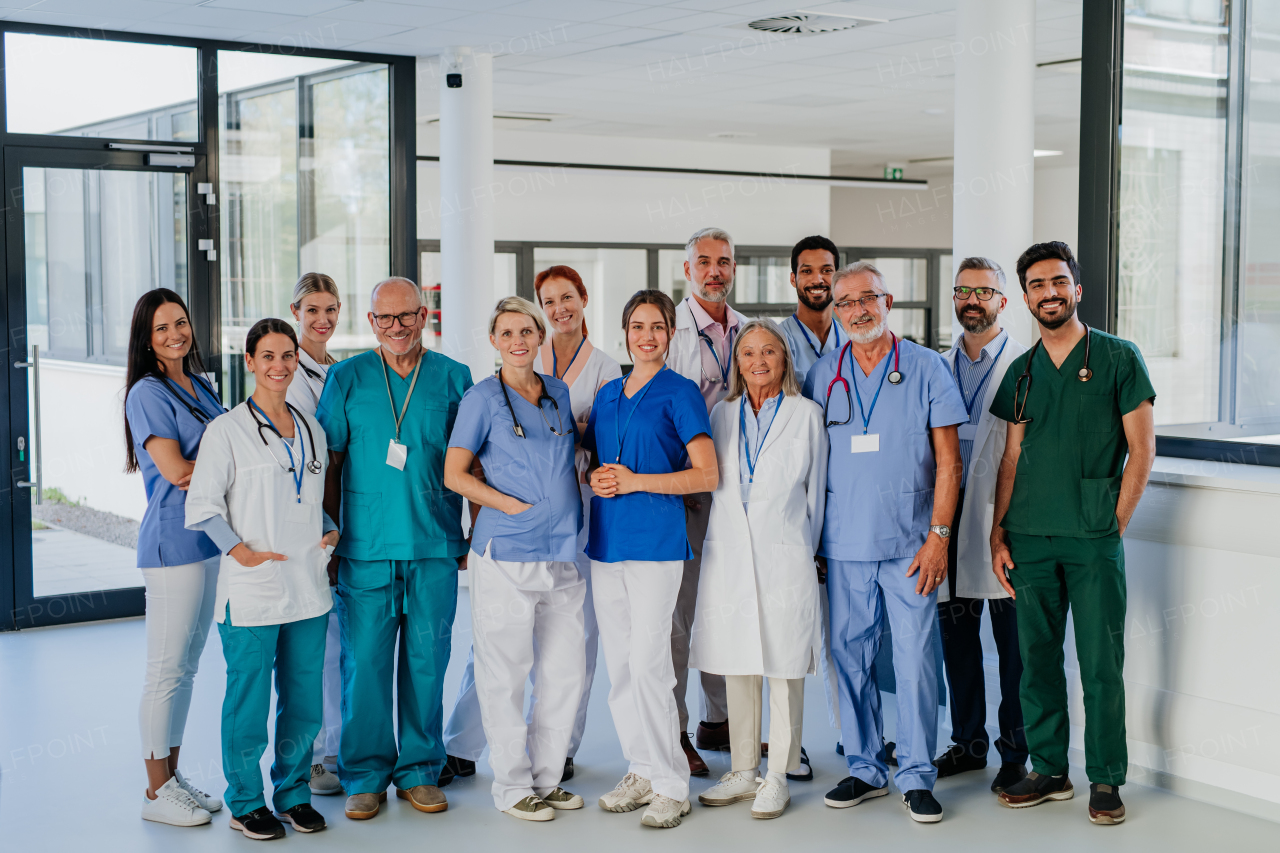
(256, 492)
(759, 614)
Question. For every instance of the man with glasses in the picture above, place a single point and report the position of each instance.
(893, 476)
(387, 415)
(1080, 407)
(978, 362)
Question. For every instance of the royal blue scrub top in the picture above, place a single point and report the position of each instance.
(669, 415)
(537, 469)
(879, 504)
(153, 410)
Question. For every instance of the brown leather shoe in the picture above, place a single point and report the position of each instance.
(364, 806)
(424, 798)
(697, 767)
(716, 739)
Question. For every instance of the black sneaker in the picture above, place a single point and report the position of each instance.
(891, 753)
(1009, 775)
(568, 771)
(1035, 789)
(453, 768)
(1105, 807)
(803, 773)
(852, 791)
(958, 759)
(304, 818)
(839, 748)
(259, 824)
(921, 806)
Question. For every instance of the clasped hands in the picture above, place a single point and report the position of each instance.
(613, 478)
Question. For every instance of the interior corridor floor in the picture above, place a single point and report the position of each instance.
(70, 779)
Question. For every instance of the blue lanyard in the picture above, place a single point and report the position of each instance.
(742, 425)
(955, 369)
(555, 370)
(835, 328)
(295, 470)
(853, 380)
(723, 368)
(617, 418)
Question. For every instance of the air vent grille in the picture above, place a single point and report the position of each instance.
(809, 23)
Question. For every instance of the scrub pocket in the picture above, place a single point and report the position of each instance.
(1098, 500)
(1097, 413)
(529, 530)
(362, 516)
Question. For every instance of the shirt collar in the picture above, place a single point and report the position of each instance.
(991, 349)
(703, 320)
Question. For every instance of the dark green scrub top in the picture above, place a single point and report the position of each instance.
(1074, 450)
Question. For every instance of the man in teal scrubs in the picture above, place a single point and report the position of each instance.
(387, 415)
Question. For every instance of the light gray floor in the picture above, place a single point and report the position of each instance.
(64, 561)
(71, 779)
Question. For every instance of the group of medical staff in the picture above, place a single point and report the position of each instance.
(753, 501)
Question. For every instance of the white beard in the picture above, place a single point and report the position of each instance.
(867, 334)
(707, 296)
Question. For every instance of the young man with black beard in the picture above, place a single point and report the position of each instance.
(810, 330)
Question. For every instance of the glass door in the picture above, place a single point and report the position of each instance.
(93, 232)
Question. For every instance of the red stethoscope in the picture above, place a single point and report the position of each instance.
(894, 377)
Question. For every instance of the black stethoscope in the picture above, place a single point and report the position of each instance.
(1084, 374)
(543, 395)
(313, 466)
(894, 377)
(201, 416)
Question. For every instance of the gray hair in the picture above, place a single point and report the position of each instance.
(737, 385)
(854, 269)
(983, 264)
(516, 305)
(709, 234)
(395, 279)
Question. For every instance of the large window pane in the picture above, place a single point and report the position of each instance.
(763, 280)
(611, 277)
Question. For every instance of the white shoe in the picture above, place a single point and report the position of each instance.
(772, 799)
(733, 787)
(208, 802)
(323, 782)
(665, 812)
(173, 806)
(632, 793)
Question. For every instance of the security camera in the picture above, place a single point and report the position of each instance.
(453, 81)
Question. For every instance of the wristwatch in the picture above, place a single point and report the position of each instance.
(940, 529)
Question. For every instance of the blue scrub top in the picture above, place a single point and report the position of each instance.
(643, 525)
(537, 469)
(153, 410)
(388, 514)
(879, 504)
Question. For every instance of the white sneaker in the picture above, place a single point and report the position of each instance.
(173, 806)
(632, 793)
(772, 799)
(733, 787)
(323, 782)
(665, 812)
(208, 802)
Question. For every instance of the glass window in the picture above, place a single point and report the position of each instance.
(906, 278)
(94, 87)
(671, 280)
(611, 276)
(504, 284)
(764, 280)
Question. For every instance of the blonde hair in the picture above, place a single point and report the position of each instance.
(737, 385)
(517, 305)
(313, 282)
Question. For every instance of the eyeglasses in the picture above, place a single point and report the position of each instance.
(408, 319)
(984, 294)
(846, 304)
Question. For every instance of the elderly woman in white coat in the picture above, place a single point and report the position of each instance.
(759, 614)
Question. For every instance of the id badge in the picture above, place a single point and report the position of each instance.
(298, 513)
(865, 443)
(967, 432)
(397, 453)
(745, 489)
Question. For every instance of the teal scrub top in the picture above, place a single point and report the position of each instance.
(389, 514)
(1074, 449)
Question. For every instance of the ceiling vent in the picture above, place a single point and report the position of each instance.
(811, 23)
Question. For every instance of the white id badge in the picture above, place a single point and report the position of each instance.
(298, 513)
(865, 443)
(397, 453)
(968, 432)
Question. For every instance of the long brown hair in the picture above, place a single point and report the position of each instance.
(570, 275)
(657, 299)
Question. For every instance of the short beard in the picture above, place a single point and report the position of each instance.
(875, 331)
(1060, 321)
(813, 306)
(706, 296)
(977, 325)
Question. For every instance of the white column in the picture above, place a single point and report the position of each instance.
(466, 209)
(994, 190)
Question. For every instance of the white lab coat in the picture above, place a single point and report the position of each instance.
(684, 356)
(758, 609)
(237, 478)
(308, 382)
(974, 578)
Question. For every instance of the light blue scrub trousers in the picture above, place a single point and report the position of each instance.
(862, 595)
(295, 651)
(418, 603)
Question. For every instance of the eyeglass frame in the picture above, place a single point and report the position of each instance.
(862, 301)
(378, 318)
(973, 291)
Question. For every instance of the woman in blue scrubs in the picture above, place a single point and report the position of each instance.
(651, 441)
(168, 403)
(511, 453)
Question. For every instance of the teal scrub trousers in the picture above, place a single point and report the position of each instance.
(376, 600)
(295, 652)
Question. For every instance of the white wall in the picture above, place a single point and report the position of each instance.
(894, 217)
(1057, 204)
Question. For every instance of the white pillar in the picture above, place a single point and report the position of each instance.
(994, 190)
(466, 209)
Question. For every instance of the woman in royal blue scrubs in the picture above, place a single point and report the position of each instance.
(651, 441)
(168, 403)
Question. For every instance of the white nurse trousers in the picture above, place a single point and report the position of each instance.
(179, 613)
(634, 601)
(515, 607)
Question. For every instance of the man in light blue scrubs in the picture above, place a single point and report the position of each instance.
(811, 330)
(893, 477)
(387, 414)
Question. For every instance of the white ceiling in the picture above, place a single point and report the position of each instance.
(681, 69)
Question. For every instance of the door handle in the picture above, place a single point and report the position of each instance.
(37, 460)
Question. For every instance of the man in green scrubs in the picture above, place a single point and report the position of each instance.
(1080, 447)
(387, 415)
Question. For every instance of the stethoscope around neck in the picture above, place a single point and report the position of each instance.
(314, 465)
(1084, 374)
(558, 429)
(894, 377)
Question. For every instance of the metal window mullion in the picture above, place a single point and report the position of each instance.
(1234, 190)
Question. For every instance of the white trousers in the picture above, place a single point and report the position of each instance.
(515, 608)
(786, 720)
(179, 612)
(634, 603)
(829, 680)
(327, 741)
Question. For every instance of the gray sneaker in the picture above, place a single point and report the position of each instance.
(323, 782)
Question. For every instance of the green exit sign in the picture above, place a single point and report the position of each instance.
(893, 173)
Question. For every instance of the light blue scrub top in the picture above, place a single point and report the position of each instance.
(537, 469)
(879, 504)
(804, 347)
(388, 514)
(643, 525)
(152, 410)
(755, 429)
